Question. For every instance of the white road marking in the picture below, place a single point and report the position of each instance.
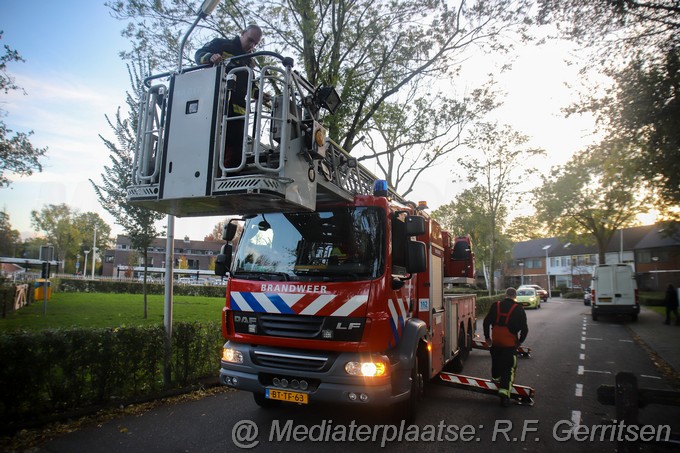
(576, 417)
(598, 371)
(650, 377)
(626, 341)
(583, 346)
(580, 370)
(582, 356)
(579, 390)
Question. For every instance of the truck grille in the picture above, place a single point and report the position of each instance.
(304, 327)
(291, 326)
(299, 362)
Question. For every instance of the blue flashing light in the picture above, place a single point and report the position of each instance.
(380, 188)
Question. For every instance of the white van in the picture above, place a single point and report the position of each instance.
(614, 291)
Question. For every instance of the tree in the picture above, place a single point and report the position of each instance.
(613, 26)
(595, 193)
(637, 45)
(407, 139)
(138, 223)
(642, 112)
(374, 52)
(524, 228)
(69, 231)
(216, 233)
(497, 170)
(9, 238)
(17, 154)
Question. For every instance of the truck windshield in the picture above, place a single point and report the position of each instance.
(341, 244)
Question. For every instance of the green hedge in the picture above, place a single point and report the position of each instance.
(79, 285)
(656, 299)
(45, 373)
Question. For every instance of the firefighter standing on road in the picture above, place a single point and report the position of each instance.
(509, 321)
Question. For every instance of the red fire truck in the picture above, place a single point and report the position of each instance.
(343, 304)
(335, 289)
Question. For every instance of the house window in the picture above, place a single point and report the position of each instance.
(533, 264)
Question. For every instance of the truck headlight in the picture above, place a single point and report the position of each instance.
(366, 369)
(232, 355)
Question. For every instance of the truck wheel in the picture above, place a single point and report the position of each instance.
(634, 317)
(407, 410)
(594, 316)
(263, 402)
(458, 362)
(465, 343)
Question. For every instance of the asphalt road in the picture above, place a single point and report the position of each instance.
(571, 357)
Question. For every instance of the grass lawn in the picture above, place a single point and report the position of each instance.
(109, 310)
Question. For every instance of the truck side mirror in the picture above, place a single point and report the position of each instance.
(416, 259)
(415, 225)
(228, 231)
(223, 260)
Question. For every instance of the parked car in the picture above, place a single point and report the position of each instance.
(543, 294)
(587, 295)
(528, 297)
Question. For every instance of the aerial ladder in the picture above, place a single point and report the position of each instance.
(287, 163)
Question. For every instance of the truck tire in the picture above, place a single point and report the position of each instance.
(465, 342)
(634, 317)
(594, 316)
(458, 363)
(263, 402)
(407, 409)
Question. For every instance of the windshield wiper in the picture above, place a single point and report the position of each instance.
(261, 275)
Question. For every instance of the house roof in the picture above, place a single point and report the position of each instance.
(178, 243)
(631, 238)
(534, 248)
(634, 238)
(10, 268)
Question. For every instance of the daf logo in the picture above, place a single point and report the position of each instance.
(245, 319)
(348, 326)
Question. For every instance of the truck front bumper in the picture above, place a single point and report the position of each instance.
(283, 369)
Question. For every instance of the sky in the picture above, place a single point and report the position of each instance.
(74, 77)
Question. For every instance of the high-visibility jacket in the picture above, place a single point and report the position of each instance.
(509, 322)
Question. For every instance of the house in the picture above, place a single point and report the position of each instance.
(191, 258)
(11, 271)
(653, 255)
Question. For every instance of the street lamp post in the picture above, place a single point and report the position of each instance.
(86, 252)
(521, 266)
(94, 249)
(571, 266)
(547, 271)
(656, 270)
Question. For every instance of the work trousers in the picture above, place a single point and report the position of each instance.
(503, 366)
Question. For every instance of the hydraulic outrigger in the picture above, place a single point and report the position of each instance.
(520, 393)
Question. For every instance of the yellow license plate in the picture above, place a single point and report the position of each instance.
(284, 395)
(604, 299)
